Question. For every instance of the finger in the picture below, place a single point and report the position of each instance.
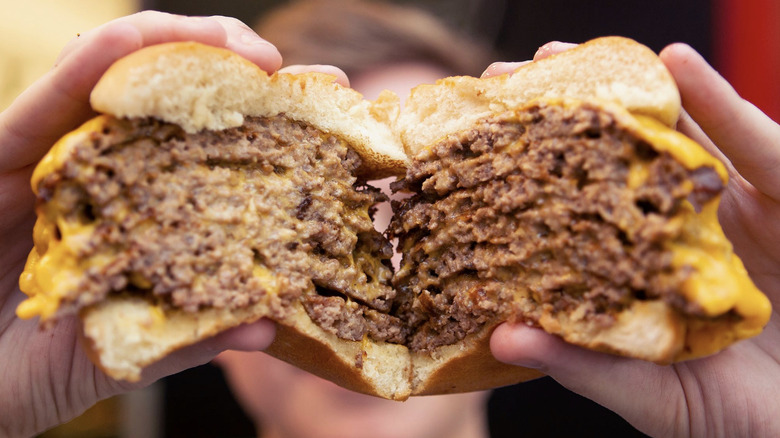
(614, 382)
(255, 336)
(159, 27)
(552, 48)
(59, 101)
(741, 131)
(154, 28)
(244, 41)
(500, 68)
(341, 77)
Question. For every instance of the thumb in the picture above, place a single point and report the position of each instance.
(638, 391)
(247, 337)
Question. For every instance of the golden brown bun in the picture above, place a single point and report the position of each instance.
(124, 334)
(370, 367)
(609, 69)
(466, 366)
(219, 90)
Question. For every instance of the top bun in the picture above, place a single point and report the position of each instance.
(610, 69)
(220, 88)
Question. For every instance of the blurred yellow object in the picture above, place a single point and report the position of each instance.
(100, 421)
(34, 32)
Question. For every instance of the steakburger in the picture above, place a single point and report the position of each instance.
(209, 194)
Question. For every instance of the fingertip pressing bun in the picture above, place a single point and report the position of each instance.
(465, 366)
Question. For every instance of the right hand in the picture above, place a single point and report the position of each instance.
(46, 378)
(732, 393)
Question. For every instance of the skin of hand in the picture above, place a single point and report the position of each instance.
(734, 392)
(47, 379)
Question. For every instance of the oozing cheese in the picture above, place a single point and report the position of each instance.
(685, 150)
(726, 286)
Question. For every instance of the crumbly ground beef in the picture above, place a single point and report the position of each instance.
(212, 219)
(556, 206)
(538, 205)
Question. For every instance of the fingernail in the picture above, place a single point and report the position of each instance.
(499, 68)
(528, 363)
(552, 48)
(252, 39)
(491, 70)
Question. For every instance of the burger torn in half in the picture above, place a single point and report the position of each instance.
(209, 194)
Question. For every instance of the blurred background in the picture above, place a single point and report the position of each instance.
(741, 39)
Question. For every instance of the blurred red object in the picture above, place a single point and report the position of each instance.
(747, 49)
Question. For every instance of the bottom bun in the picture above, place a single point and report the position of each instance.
(369, 367)
(466, 366)
(124, 335)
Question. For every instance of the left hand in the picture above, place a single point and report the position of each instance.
(46, 378)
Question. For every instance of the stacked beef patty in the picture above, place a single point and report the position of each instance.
(553, 209)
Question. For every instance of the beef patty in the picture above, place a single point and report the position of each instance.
(556, 207)
(553, 207)
(220, 219)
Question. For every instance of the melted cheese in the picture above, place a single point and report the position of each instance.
(45, 273)
(720, 285)
(53, 267)
(685, 150)
(638, 172)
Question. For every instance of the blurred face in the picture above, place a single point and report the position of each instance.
(289, 403)
(398, 78)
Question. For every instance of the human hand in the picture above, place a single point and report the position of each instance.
(732, 393)
(47, 379)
